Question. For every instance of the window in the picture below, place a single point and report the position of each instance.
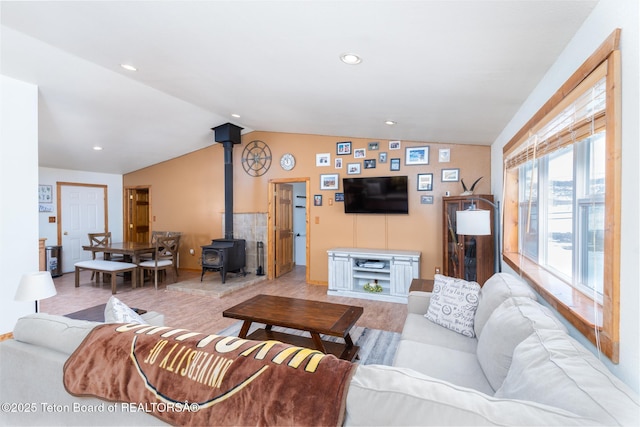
(562, 199)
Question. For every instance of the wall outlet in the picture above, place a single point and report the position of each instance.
(437, 270)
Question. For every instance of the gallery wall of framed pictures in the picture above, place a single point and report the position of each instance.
(433, 170)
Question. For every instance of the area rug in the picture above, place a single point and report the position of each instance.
(377, 347)
(212, 285)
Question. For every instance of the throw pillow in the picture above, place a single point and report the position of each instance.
(453, 304)
(118, 312)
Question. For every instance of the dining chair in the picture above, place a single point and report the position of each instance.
(101, 240)
(165, 257)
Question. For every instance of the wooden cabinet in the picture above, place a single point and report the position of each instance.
(467, 257)
(350, 269)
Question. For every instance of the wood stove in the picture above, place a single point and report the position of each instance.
(228, 254)
(224, 255)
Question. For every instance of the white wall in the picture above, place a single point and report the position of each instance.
(608, 15)
(18, 194)
(50, 176)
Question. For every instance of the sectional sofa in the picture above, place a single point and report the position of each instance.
(519, 368)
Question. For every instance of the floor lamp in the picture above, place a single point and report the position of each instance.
(35, 286)
(477, 222)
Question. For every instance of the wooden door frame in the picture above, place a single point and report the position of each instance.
(125, 209)
(61, 184)
(271, 246)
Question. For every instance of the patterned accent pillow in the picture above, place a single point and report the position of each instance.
(453, 304)
(118, 312)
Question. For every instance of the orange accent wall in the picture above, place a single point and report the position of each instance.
(187, 195)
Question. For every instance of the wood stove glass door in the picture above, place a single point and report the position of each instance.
(284, 229)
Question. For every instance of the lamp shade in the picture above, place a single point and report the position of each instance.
(35, 286)
(473, 222)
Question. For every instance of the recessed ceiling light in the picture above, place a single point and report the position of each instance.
(350, 58)
(128, 67)
(237, 116)
(97, 148)
(389, 122)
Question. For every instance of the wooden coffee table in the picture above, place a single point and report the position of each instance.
(314, 317)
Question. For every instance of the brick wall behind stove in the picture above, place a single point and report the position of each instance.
(252, 227)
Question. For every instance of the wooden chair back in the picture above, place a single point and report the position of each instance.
(100, 239)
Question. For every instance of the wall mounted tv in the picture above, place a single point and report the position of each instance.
(376, 195)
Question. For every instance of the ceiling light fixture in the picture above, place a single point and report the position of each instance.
(128, 67)
(97, 148)
(237, 116)
(389, 122)
(350, 58)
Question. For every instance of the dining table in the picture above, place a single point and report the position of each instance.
(132, 250)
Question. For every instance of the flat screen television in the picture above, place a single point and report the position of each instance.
(376, 195)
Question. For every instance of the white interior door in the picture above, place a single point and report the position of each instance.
(82, 212)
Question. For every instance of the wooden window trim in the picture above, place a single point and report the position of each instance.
(599, 323)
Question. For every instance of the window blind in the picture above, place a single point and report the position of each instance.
(581, 114)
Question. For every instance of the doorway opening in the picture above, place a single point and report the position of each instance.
(137, 213)
(288, 225)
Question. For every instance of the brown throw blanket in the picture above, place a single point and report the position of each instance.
(190, 378)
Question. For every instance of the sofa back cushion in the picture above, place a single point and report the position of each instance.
(510, 324)
(498, 288)
(58, 333)
(552, 368)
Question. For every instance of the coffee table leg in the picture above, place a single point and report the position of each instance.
(245, 329)
(318, 342)
(349, 343)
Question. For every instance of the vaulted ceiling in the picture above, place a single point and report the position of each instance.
(449, 71)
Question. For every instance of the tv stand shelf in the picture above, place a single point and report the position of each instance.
(390, 271)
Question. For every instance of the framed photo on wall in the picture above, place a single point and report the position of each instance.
(416, 156)
(425, 182)
(353, 168)
(394, 145)
(317, 200)
(45, 194)
(394, 165)
(370, 163)
(426, 200)
(323, 159)
(359, 153)
(329, 181)
(450, 175)
(343, 148)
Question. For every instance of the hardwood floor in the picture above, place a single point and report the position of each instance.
(204, 313)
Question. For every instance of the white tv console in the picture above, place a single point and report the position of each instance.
(352, 268)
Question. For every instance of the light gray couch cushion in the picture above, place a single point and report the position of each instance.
(55, 332)
(419, 328)
(458, 367)
(509, 324)
(552, 368)
(384, 396)
(498, 288)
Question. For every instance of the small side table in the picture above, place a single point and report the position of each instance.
(424, 285)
